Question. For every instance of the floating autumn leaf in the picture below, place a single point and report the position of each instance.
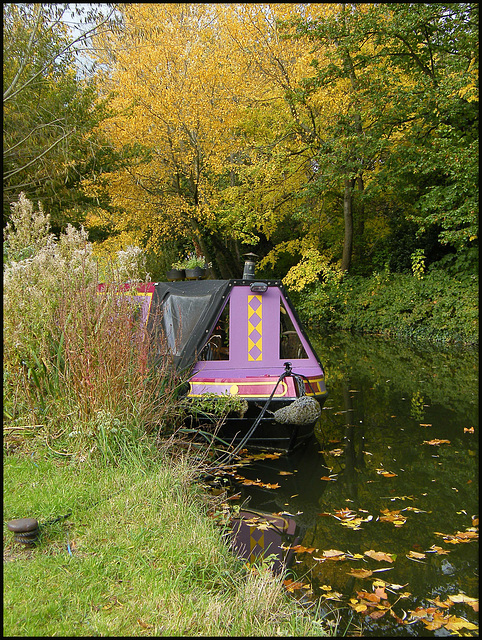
(333, 553)
(435, 549)
(370, 599)
(377, 613)
(461, 597)
(460, 536)
(469, 430)
(344, 513)
(256, 483)
(335, 452)
(380, 592)
(379, 555)
(327, 478)
(444, 605)
(436, 441)
(285, 473)
(393, 516)
(292, 586)
(360, 607)
(332, 595)
(265, 456)
(299, 548)
(455, 624)
(386, 474)
(416, 555)
(360, 573)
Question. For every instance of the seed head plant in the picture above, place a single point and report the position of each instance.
(77, 360)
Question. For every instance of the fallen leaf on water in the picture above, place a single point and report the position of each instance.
(444, 605)
(333, 553)
(469, 430)
(461, 597)
(299, 548)
(425, 425)
(380, 592)
(360, 608)
(285, 473)
(436, 441)
(292, 586)
(377, 614)
(378, 583)
(266, 456)
(368, 597)
(435, 549)
(360, 573)
(414, 554)
(460, 536)
(386, 474)
(379, 555)
(455, 624)
(327, 478)
(393, 516)
(335, 452)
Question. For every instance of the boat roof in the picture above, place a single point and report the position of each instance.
(183, 316)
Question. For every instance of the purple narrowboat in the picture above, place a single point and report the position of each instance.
(241, 338)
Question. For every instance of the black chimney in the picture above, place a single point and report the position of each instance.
(248, 272)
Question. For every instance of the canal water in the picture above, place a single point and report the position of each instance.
(386, 495)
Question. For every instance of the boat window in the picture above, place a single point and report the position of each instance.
(290, 342)
(217, 347)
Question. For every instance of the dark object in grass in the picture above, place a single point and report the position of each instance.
(26, 530)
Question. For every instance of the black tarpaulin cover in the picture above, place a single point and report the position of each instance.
(183, 315)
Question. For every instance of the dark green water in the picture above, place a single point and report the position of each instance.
(387, 401)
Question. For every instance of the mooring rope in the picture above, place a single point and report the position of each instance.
(230, 454)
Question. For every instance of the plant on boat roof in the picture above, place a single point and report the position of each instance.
(190, 262)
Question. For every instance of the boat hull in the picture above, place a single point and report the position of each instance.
(269, 434)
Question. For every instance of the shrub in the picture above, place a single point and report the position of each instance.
(76, 362)
(437, 307)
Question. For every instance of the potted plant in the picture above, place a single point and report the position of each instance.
(176, 272)
(194, 266)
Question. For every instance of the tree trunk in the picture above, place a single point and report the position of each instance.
(348, 219)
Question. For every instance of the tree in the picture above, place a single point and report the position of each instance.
(166, 76)
(47, 108)
(413, 125)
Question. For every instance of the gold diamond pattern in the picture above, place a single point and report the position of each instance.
(255, 324)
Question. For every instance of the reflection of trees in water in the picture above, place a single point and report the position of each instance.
(443, 375)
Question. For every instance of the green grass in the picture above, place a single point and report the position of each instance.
(139, 555)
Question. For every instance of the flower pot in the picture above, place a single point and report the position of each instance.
(198, 273)
(175, 274)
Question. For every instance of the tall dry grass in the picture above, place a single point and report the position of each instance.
(77, 362)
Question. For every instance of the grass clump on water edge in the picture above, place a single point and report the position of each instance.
(137, 556)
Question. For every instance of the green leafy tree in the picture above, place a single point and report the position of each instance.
(411, 130)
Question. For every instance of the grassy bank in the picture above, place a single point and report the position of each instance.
(137, 556)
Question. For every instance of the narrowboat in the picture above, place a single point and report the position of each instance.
(241, 337)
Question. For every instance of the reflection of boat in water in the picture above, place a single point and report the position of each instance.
(258, 535)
